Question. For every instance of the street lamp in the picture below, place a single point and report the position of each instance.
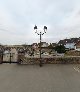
(40, 33)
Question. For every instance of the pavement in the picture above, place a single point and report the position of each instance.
(32, 78)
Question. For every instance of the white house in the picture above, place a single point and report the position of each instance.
(44, 44)
(70, 45)
(77, 46)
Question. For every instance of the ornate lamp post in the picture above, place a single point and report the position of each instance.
(40, 33)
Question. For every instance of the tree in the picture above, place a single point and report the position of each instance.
(60, 49)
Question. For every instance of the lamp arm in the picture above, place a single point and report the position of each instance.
(37, 32)
(44, 31)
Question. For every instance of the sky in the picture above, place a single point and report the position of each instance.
(18, 18)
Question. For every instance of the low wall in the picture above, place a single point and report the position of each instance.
(56, 60)
(53, 60)
(72, 53)
(62, 60)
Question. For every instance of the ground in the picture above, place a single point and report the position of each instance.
(32, 78)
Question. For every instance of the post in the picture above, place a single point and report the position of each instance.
(2, 56)
(10, 58)
(40, 51)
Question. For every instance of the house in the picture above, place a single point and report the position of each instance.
(34, 45)
(43, 44)
(69, 43)
(77, 46)
(53, 44)
(70, 46)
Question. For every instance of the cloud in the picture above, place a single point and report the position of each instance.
(18, 17)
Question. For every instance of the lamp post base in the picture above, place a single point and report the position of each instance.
(40, 65)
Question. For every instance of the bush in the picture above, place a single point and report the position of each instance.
(60, 49)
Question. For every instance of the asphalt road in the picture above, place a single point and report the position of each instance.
(32, 78)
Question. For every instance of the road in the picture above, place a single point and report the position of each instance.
(32, 78)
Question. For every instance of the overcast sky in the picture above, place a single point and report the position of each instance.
(18, 18)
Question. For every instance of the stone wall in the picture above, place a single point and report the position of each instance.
(72, 53)
(59, 60)
(55, 60)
